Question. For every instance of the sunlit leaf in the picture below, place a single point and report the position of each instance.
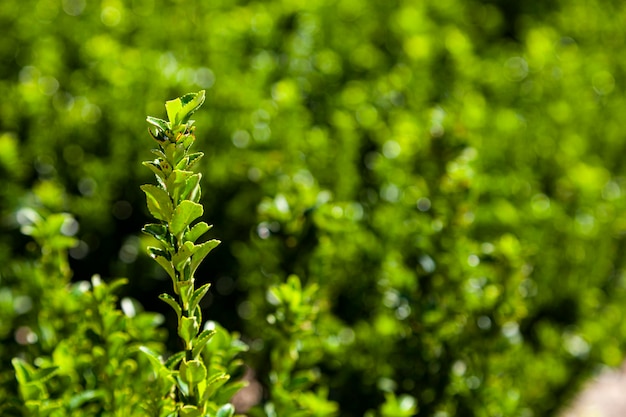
(159, 202)
(184, 215)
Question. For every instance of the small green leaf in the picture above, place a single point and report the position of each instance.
(173, 360)
(173, 107)
(190, 103)
(197, 296)
(159, 154)
(172, 303)
(158, 252)
(187, 329)
(213, 383)
(191, 160)
(200, 342)
(196, 231)
(227, 410)
(158, 231)
(192, 372)
(176, 184)
(159, 203)
(191, 190)
(186, 291)
(186, 212)
(201, 252)
(171, 152)
(155, 168)
(183, 254)
(159, 123)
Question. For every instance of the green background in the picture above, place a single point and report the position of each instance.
(448, 172)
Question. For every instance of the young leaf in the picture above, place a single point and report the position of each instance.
(192, 372)
(190, 103)
(187, 328)
(196, 231)
(159, 154)
(159, 123)
(201, 340)
(154, 252)
(159, 203)
(201, 252)
(173, 360)
(182, 255)
(197, 296)
(176, 182)
(213, 382)
(173, 107)
(186, 290)
(186, 212)
(171, 152)
(191, 190)
(155, 168)
(172, 302)
(193, 158)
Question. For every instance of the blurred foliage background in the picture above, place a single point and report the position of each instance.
(447, 172)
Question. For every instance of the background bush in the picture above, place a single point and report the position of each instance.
(447, 173)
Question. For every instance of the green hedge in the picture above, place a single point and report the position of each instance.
(445, 174)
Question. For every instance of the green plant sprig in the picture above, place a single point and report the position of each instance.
(174, 201)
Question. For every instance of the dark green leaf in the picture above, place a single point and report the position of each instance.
(158, 231)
